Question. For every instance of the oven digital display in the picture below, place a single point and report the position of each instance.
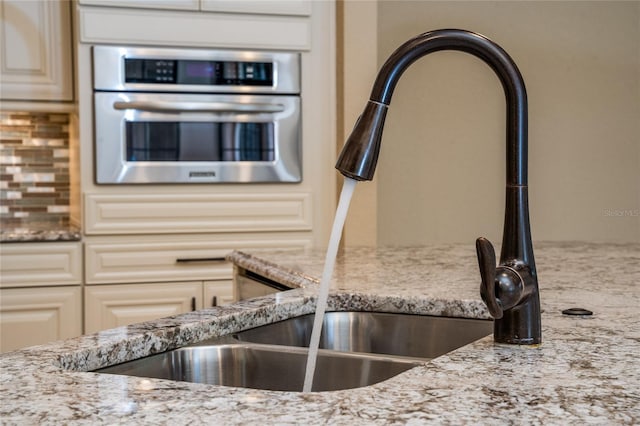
(200, 69)
(215, 73)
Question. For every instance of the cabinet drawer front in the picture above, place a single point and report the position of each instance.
(171, 261)
(196, 213)
(38, 264)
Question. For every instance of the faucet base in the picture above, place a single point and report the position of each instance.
(520, 325)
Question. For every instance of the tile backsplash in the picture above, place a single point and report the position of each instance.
(34, 170)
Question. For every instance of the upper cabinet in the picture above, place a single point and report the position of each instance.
(255, 24)
(270, 7)
(35, 50)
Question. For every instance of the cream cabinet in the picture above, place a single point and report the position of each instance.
(32, 316)
(217, 293)
(40, 264)
(41, 293)
(173, 213)
(131, 280)
(194, 28)
(36, 50)
(159, 258)
(109, 306)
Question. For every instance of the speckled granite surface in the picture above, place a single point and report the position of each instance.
(587, 371)
(27, 235)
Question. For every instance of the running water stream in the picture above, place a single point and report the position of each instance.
(323, 292)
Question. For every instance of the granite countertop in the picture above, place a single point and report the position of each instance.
(37, 235)
(587, 369)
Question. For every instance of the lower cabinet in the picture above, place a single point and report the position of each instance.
(109, 306)
(218, 293)
(33, 316)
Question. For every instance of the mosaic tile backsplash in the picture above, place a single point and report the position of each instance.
(34, 171)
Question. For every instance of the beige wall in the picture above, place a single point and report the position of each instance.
(441, 171)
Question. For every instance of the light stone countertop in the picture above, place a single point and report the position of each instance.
(38, 234)
(587, 371)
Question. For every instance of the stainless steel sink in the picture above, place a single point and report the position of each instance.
(403, 335)
(262, 367)
(357, 349)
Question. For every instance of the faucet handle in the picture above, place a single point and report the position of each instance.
(487, 263)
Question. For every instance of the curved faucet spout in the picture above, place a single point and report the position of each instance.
(517, 312)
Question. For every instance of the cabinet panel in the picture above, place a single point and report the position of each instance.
(218, 293)
(195, 29)
(38, 264)
(155, 259)
(286, 7)
(35, 50)
(117, 305)
(146, 4)
(39, 315)
(197, 213)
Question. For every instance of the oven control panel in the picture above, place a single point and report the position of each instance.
(171, 70)
(199, 72)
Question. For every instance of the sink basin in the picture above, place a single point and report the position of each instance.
(357, 349)
(403, 335)
(262, 367)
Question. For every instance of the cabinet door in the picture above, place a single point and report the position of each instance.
(32, 316)
(35, 50)
(217, 293)
(109, 306)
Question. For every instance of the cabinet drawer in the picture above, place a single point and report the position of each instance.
(38, 264)
(163, 261)
(196, 213)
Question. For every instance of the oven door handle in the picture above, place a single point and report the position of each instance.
(214, 107)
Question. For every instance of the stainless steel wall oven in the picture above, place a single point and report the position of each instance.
(196, 116)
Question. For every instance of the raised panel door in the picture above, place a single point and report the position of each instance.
(35, 50)
(33, 316)
(111, 306)
(218, 293)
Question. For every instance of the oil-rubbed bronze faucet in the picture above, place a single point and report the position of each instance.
(510, 290)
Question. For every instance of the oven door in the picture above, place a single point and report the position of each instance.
(191, 138)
